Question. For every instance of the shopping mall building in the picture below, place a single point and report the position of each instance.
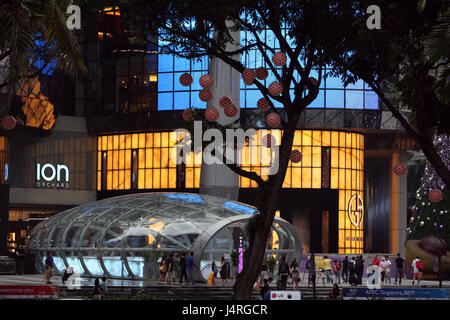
(110, 133)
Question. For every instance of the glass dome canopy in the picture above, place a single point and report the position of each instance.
(125, 237)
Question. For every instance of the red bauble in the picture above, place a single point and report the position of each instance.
(273, 120)
(249, 76)
(279, 58)
(261, 73)
(205, 95)
(296, 156)
(231, 110)
(211, 114)
(435, 195)
(275, 88)
(268, 140)
(263, 104)
(8, 122)
(400, 169)
(186, 79)
(188, 114)
(225, 102)
(206, 81)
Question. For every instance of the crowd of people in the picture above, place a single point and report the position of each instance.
(185, 269)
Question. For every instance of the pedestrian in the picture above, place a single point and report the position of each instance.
(264, 289)
(182, 267)
(328, 268)
(98, 292)
(49, 264)
(67, 274)
(323, 275)
(387, 269)
(353, 275)
(162, 270)
(20, 259)
(418, 267)
(214, 269)
(335, 292)
(294, 273)
(170, 274)
(359, 268)
(311, 267)
(263, 274)
(223, 271)
(190, 268)
(283, 272)
(104, 286)
(337, 271)
(399, 264)
(345, 264)
(382, 266)
(376, 261)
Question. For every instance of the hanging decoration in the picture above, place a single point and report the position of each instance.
(188, 114)
(263, 104)
(279, 59)
(435, 195)
(225, 102)
(249, 76)
(231, 110)
(273, 120)
(186, 79)
(275, 88)
(261, 73)
(268, 140)
(205, 95)
(296, 156)
(211, 114)
(8, 122)
(400, 169)
(206, 81)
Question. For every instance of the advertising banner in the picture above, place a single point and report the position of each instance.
(28, 292)
(395, 294)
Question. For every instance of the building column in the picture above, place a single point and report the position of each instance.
(399, 206)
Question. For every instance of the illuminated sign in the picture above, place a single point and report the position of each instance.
(356, 215)
(47, 176)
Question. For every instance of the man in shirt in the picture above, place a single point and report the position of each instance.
(190, 268)
(399, 264)
(48, 268)
(327, 265)
(183, 268)
(345, 264)
(170, 275)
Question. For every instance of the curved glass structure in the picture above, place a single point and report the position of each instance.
(126, 236)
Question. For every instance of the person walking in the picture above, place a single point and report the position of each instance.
(359, 268)
(223, 271)
(323, 275)
(387, 269)
(283, 272)
(353, 275)
(295, 273)
(190, 268)
(376, 261)
(49, 264)
(399, 267)
(328, 268)
(263, 274)
(337, 271)
(98, 292)
(417, 269)
(311, 267)
(182, 267)
(104, 286)
(162, 270)
(345, 264)
(382, 266)
(170, 274)
(20, 259)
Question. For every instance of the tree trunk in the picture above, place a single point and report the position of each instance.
(260, 225)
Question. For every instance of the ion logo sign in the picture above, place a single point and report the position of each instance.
(47, 176)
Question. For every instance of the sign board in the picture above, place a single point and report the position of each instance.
(28, 292)
(50, 176)
(396, 294)
(285, 295)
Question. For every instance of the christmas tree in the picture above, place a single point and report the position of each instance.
(428, 217)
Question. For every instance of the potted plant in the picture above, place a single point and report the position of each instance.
(235, 261)
(271, 262)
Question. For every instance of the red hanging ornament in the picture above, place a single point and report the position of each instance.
(205, 95)
(188, 114)
(273, 120)
(296, 156)
(211, 114)
(225, 102)
(206, 81)
(275, 88)
(400, 169)
(249, 76)
(263, 104)
(268, 140)
(186, 79)
(279, 59)
(435, 195)
(8, 122)
(261, 73)
(231, 110)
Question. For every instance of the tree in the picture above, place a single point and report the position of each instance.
(34, 30)
(402, 64)
(302, 30)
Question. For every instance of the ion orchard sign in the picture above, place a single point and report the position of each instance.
(47, 176)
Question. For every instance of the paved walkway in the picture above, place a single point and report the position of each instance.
(36, 279)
